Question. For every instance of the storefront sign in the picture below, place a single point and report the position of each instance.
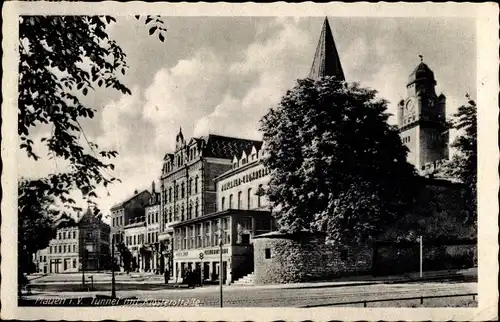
(215, 251)
(257, 174)
(181, 254)
(202, 254)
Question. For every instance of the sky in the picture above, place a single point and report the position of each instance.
(220, 75)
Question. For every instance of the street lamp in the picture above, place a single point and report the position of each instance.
(421, 256)
(221, 274)
(113, 290)
(83, 266)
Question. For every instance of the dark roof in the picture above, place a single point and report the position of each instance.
(421, 72)
(326, 58)
(121, 204)
(225, 147)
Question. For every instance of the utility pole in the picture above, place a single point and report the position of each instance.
(83, 266)
(421, 256)
(113, 290)
(221, 274)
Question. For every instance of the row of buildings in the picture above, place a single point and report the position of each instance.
(211, 196)
(212, 199)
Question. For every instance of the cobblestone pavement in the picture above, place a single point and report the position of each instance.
(275, 297)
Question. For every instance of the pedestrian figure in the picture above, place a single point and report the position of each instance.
(167, 276)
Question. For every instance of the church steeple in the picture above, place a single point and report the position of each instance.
(326, 59)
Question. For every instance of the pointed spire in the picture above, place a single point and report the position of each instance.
(326, 59)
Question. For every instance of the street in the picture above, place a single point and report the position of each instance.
(261, 296)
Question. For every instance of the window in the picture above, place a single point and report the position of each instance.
(196, 206)
(198, 243)
(64, 235)
(59, 235)
(177, 241)
(156, 217)
(206, 234)
(230, 201)
(267, 253)
(196, 184)
(259, 194)
(191, 237)
(135, 240)
(156, 237)
(121, 221)
(74, 263)
(239, 200)
(190, 189)
(50, 250)
(74, 234)
(64, 249)
(170, 214)
(215, 233)
(249, 199)
(182, 212)
(74, 248)
(176, 213)
(223, 201)
(184, 238)
(114, 225)
(225, 226)
(170, 194)
(182, 190)
(190, 209)
(149, 219)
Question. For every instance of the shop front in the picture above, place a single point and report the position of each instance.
(206, 261)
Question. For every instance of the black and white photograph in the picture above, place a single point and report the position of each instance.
(312, 161)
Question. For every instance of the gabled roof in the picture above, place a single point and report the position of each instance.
(121, 204)
(326, 59)
(225, 147)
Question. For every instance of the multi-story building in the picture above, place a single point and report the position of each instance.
(133, 235)
(79, 244)
(242, 212)
(187, 186)
(153, 259)
(125, 213)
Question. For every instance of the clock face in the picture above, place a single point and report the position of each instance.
(432, 102)
(410, 105)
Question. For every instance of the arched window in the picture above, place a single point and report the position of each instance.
(249, 198)
(190, 188)
(170, 214)
(182, 212)
(239, 200)
(196, 184)
(230, 201)
(196, 208)
(223, 201)
(190, 210)
(170, 194)
(182, 190)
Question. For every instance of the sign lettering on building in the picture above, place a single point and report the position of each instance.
(257, 174)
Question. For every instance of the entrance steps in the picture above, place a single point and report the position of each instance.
(245, 280)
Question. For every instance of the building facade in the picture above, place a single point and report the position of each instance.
(153, 258)
(242, 212)
(187, 187)
(79, 244)
(123, 214)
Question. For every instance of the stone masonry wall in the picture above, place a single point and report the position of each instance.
(304, 259)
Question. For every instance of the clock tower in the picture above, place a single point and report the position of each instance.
(421, 120)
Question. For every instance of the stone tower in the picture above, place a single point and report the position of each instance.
(421, 120)
(326, 59)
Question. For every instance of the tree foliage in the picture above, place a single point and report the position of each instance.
(62, 59)
(463, 165)
(336, 165)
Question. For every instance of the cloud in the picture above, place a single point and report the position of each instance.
(278, 62)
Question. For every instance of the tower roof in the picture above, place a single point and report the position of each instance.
(421, 73)
(326, 59)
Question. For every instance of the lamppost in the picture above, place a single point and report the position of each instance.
(113, 290)
(421, 256)
(221, 274)
(83, 266)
